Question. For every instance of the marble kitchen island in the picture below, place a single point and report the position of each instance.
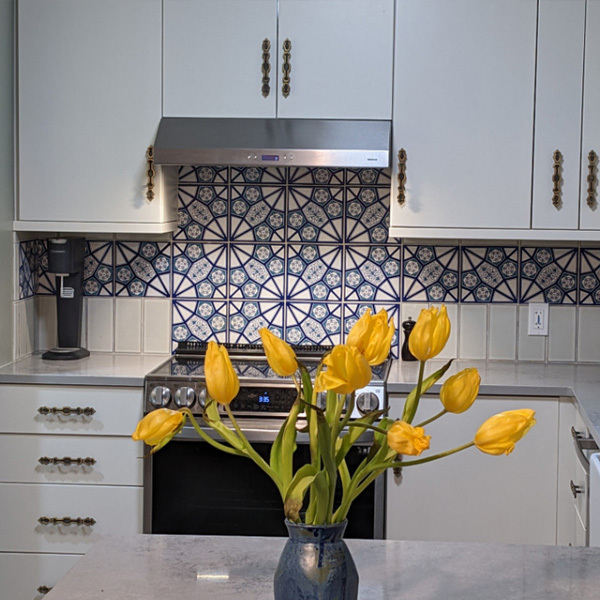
(156, 567)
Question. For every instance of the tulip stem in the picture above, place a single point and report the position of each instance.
(440, 414)
(251, 452)
(367, 426)
(207, 437)
(419, 461)
(410, 408)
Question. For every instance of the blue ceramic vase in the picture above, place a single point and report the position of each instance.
(315, 564)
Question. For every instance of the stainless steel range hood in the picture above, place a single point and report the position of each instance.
(281, 142)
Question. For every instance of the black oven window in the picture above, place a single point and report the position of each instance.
(197, 489)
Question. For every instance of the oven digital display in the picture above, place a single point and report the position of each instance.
(272, 157)
(257, 400)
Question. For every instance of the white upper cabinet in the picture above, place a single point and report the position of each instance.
(286, 58)
(463, 112)
(559, 88)
(590, 191)
(89, 104)
(341, 58)
(213, 57)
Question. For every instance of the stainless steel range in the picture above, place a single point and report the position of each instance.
(192, 488)
(180, 382)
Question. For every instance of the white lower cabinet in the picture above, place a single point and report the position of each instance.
(476, 497)
(32, 575)
(69, 474)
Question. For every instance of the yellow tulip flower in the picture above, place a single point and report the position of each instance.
(221, 380)
(158, 427)
(360, 333)
(459, 391)
(500, 433)
(380, 341)
(280, 356)
(347, 371)
(406, 439)
(430, 333)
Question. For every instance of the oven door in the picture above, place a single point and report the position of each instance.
(192, 488)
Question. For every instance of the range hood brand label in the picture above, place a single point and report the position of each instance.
(67, 292)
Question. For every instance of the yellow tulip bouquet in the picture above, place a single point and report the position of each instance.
(342, 371)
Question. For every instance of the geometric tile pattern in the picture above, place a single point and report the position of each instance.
(29, 256)
(549, 275)
(98, 269)
(142, 269)
(430, 274)
(589, 278)
(305, 251)
(489, 274)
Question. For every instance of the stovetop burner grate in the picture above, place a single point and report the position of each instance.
(199, 349)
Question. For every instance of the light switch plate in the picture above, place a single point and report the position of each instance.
(538, 319)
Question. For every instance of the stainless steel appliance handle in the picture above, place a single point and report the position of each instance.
(583, 443)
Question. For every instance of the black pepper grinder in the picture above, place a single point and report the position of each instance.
(408, 327)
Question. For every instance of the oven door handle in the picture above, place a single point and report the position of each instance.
(583, 443)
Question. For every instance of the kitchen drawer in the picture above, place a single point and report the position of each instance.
(22, 574)
(118, 459)
(116, 410)
(116, 510)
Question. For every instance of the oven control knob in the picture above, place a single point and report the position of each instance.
(185, 396)
(367, 402)
(160, 396)
(202, 397)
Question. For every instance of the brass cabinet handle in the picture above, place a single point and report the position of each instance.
(592, 179)
(67, 460)
(286, 68)
(88, 521)
(401, 176)
(556, 179)
(88, 411)
(43, 589)
(151, 173)
(266, 68)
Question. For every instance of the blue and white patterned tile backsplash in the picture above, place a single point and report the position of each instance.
(305, 252)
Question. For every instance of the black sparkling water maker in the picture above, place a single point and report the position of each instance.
(65, 260)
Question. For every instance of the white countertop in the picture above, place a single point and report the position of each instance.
(155, 567)
(96, 369)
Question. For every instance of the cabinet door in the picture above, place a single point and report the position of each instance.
(559, 82)
(341, 58)
(89, 106)
(590, 212)
(22, 574)
(213, 58)
(472, 496)
(463, 111)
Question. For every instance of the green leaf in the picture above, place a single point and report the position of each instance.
(213, 420)
(296, 490)
(321, 493)
(412, 400)
(282, 450)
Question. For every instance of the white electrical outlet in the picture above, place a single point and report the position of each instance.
(538, 319)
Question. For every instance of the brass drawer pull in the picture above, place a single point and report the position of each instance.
(67, 460)
(67, 411)
(87, 521)
(43, 589)
(266, 68)
(286, 68)
(592, 179)
(151, 173)
(556, 179)
(401, 176)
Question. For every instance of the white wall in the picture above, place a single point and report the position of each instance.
(7, 8)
